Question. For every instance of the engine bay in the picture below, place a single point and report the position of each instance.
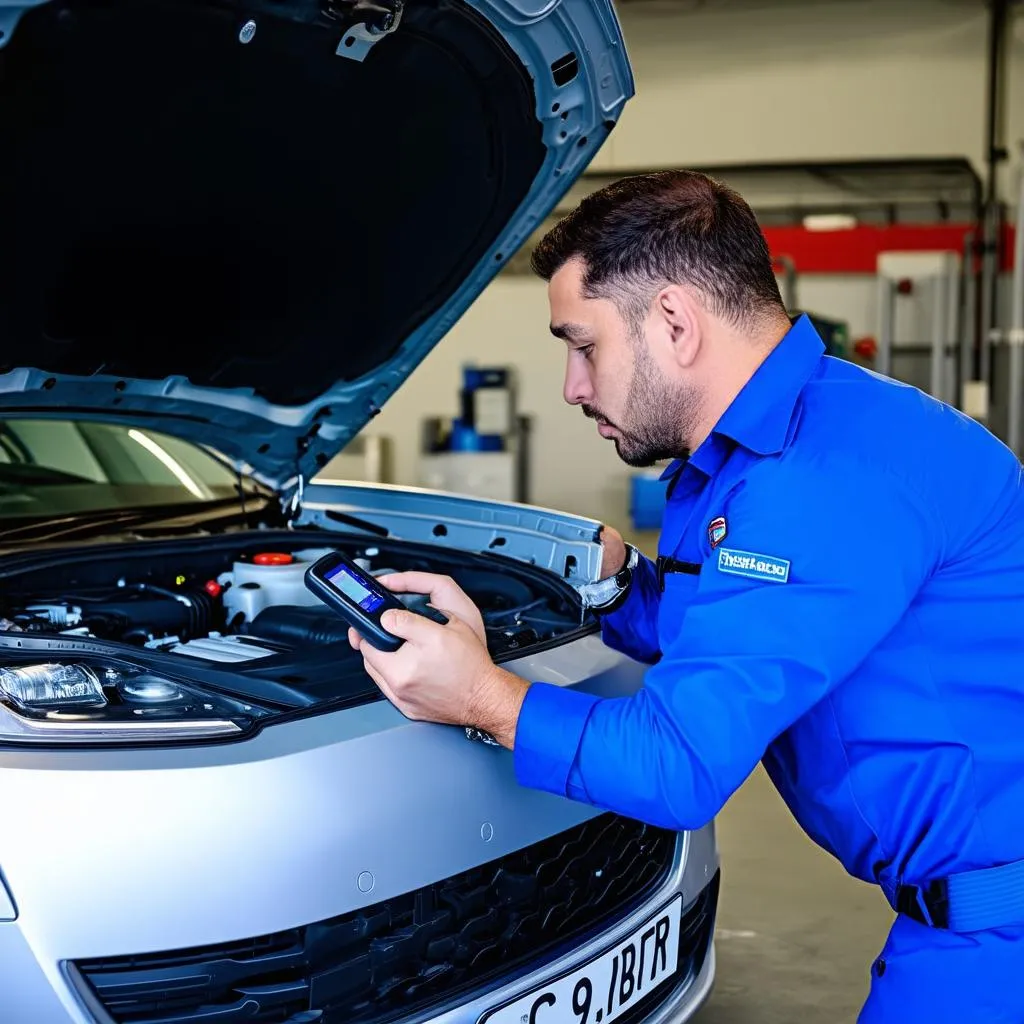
(239, 602)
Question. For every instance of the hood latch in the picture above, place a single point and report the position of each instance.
(293, 503)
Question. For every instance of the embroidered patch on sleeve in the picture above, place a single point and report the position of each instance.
(754, 566)
(717, 531)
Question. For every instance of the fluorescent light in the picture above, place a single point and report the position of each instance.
(169, 461)
(829, 222)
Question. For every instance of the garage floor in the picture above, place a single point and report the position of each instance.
(796, 934)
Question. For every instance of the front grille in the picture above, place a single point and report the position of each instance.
(404, 955)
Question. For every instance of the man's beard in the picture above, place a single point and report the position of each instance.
(656, 419)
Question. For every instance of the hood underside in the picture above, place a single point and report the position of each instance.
(246, 223)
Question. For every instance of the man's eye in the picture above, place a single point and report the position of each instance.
(585, 351)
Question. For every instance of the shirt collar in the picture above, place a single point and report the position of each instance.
(760, 416)
(672, 469)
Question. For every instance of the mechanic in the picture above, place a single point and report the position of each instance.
(839, 593)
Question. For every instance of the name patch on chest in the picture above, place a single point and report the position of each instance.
(754, 566)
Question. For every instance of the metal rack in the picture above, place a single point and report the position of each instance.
(884, 192)
(918, 190)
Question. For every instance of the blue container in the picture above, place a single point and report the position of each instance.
(465, 439)
(648, 496)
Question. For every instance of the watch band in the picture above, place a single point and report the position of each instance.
(605, 595)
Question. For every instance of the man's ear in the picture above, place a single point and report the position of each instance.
(680, 323)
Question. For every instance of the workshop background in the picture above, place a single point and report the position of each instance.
(877, 106)
(881, 143)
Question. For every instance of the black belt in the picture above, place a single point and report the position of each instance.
(666, 565)
(926, 904)
(969, 901)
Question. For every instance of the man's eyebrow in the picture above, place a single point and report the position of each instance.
(570, 332)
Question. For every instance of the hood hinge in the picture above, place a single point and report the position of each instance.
(369, 21)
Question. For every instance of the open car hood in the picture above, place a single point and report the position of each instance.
(246, 222)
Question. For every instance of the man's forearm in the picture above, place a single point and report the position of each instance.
(497, 705)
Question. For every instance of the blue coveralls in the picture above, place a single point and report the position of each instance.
(853, 615)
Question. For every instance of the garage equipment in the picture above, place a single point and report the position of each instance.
(647, 496)
(484, 451)
(903, 278)
(1015, 334)
(834, 333)
(788, 268)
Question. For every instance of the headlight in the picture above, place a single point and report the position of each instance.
(80, 703)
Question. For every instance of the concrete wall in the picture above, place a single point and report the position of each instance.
(734, 82)
(728, 81)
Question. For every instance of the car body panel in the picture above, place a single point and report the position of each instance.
(566, 544)
(373, 785)
(54, 993)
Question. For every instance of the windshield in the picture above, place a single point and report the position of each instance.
(62, 467)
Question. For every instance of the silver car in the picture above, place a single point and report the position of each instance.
(230, 232)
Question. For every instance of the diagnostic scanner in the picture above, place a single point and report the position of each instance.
(356, 596)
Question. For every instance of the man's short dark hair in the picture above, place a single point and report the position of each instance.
(671, 227)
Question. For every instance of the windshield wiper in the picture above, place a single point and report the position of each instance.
(84, 522)
(67, 524)
(18, 474)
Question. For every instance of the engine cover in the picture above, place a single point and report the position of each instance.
(220, 648)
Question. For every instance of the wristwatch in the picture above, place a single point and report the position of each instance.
(606, 595)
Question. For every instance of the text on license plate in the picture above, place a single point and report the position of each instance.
(609, 985)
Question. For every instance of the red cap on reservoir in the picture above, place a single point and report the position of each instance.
(272, 558)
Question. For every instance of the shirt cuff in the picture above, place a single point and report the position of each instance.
(548, 734)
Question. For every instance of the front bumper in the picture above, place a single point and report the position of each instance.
(116, 853)
(32, 992)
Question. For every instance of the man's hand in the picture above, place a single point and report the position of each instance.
(444, 593)
(614, 554)
(443, 673)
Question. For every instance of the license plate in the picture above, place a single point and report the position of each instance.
(609, 985)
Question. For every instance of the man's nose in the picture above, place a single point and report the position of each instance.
(577, 389)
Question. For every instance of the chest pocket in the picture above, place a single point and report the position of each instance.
(678, 586)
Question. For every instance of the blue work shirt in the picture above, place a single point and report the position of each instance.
(857, 623)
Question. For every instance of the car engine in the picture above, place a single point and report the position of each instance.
(252, 605)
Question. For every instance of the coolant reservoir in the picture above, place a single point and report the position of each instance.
(267, 580)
